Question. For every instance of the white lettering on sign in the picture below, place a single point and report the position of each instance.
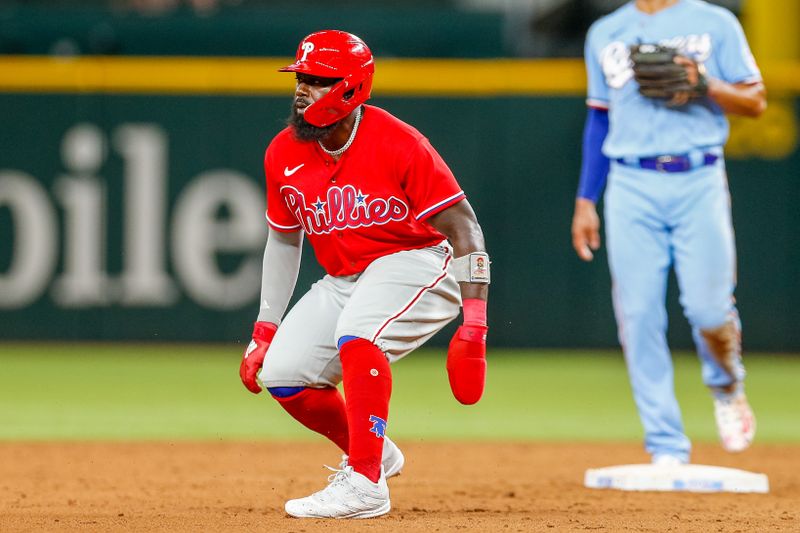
(83, 197)
(144, 278)
(198, 237)
(216, 221)
(35, 229)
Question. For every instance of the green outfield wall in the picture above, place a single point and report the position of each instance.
(135, 211)
(412, 28)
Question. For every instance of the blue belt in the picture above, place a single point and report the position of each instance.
(669, 163)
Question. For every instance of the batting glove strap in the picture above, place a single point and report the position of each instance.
(474, 333)
(253, 358)
(264, 331)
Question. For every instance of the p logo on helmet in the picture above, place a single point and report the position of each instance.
(335, 54)
(307, 47)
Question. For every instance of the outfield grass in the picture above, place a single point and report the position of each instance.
(135, 392)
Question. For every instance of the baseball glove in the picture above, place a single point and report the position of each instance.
(665, 74)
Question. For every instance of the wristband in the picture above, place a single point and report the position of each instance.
(472, 268)
(474, 312)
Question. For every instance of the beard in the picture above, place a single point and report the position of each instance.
(305, 131)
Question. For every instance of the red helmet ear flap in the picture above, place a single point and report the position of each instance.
(341, 100)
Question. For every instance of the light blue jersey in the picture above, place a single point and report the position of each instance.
(643, 127)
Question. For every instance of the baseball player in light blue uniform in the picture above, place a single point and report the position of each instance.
(667, 204)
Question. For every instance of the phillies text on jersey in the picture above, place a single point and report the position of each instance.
(345, 207)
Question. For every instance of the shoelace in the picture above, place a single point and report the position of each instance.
(339, 474)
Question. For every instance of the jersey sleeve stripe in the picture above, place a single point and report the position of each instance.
(280, 227)
(750, 80)
(435, 208)
(597, 104)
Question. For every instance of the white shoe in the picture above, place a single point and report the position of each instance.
(736, 423)
(392, 458)
(667, 461)
(349, 495)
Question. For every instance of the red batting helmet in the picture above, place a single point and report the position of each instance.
(335, 54)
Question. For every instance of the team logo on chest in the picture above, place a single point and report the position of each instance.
(342, 208)
(616, 62)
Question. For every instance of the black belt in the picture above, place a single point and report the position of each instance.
(668, 163)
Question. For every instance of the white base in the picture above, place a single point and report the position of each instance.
(684, 478)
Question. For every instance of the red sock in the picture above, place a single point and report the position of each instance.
(367, 387)
(320, 410)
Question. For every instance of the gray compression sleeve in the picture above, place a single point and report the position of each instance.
(279, 274)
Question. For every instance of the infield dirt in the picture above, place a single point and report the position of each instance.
(486, 487)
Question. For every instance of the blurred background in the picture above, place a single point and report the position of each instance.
(131, 181)
(132, 134)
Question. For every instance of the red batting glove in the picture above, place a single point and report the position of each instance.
(466, 363)
(253, 359)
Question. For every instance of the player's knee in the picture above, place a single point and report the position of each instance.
(641, 316)
(284, 393)
(707, 316)
(344, 339)
(284, 379)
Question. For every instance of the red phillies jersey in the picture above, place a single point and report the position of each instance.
(371, 203)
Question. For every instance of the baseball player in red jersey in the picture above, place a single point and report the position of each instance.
(402, 250)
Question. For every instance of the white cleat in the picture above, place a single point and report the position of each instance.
(392, 458)
(349, 495)
(736, 423)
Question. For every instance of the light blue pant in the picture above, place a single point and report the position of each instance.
(655, 221)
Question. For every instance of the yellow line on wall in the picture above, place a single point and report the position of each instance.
(249, 76)
(190, 75)
(771, 29)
